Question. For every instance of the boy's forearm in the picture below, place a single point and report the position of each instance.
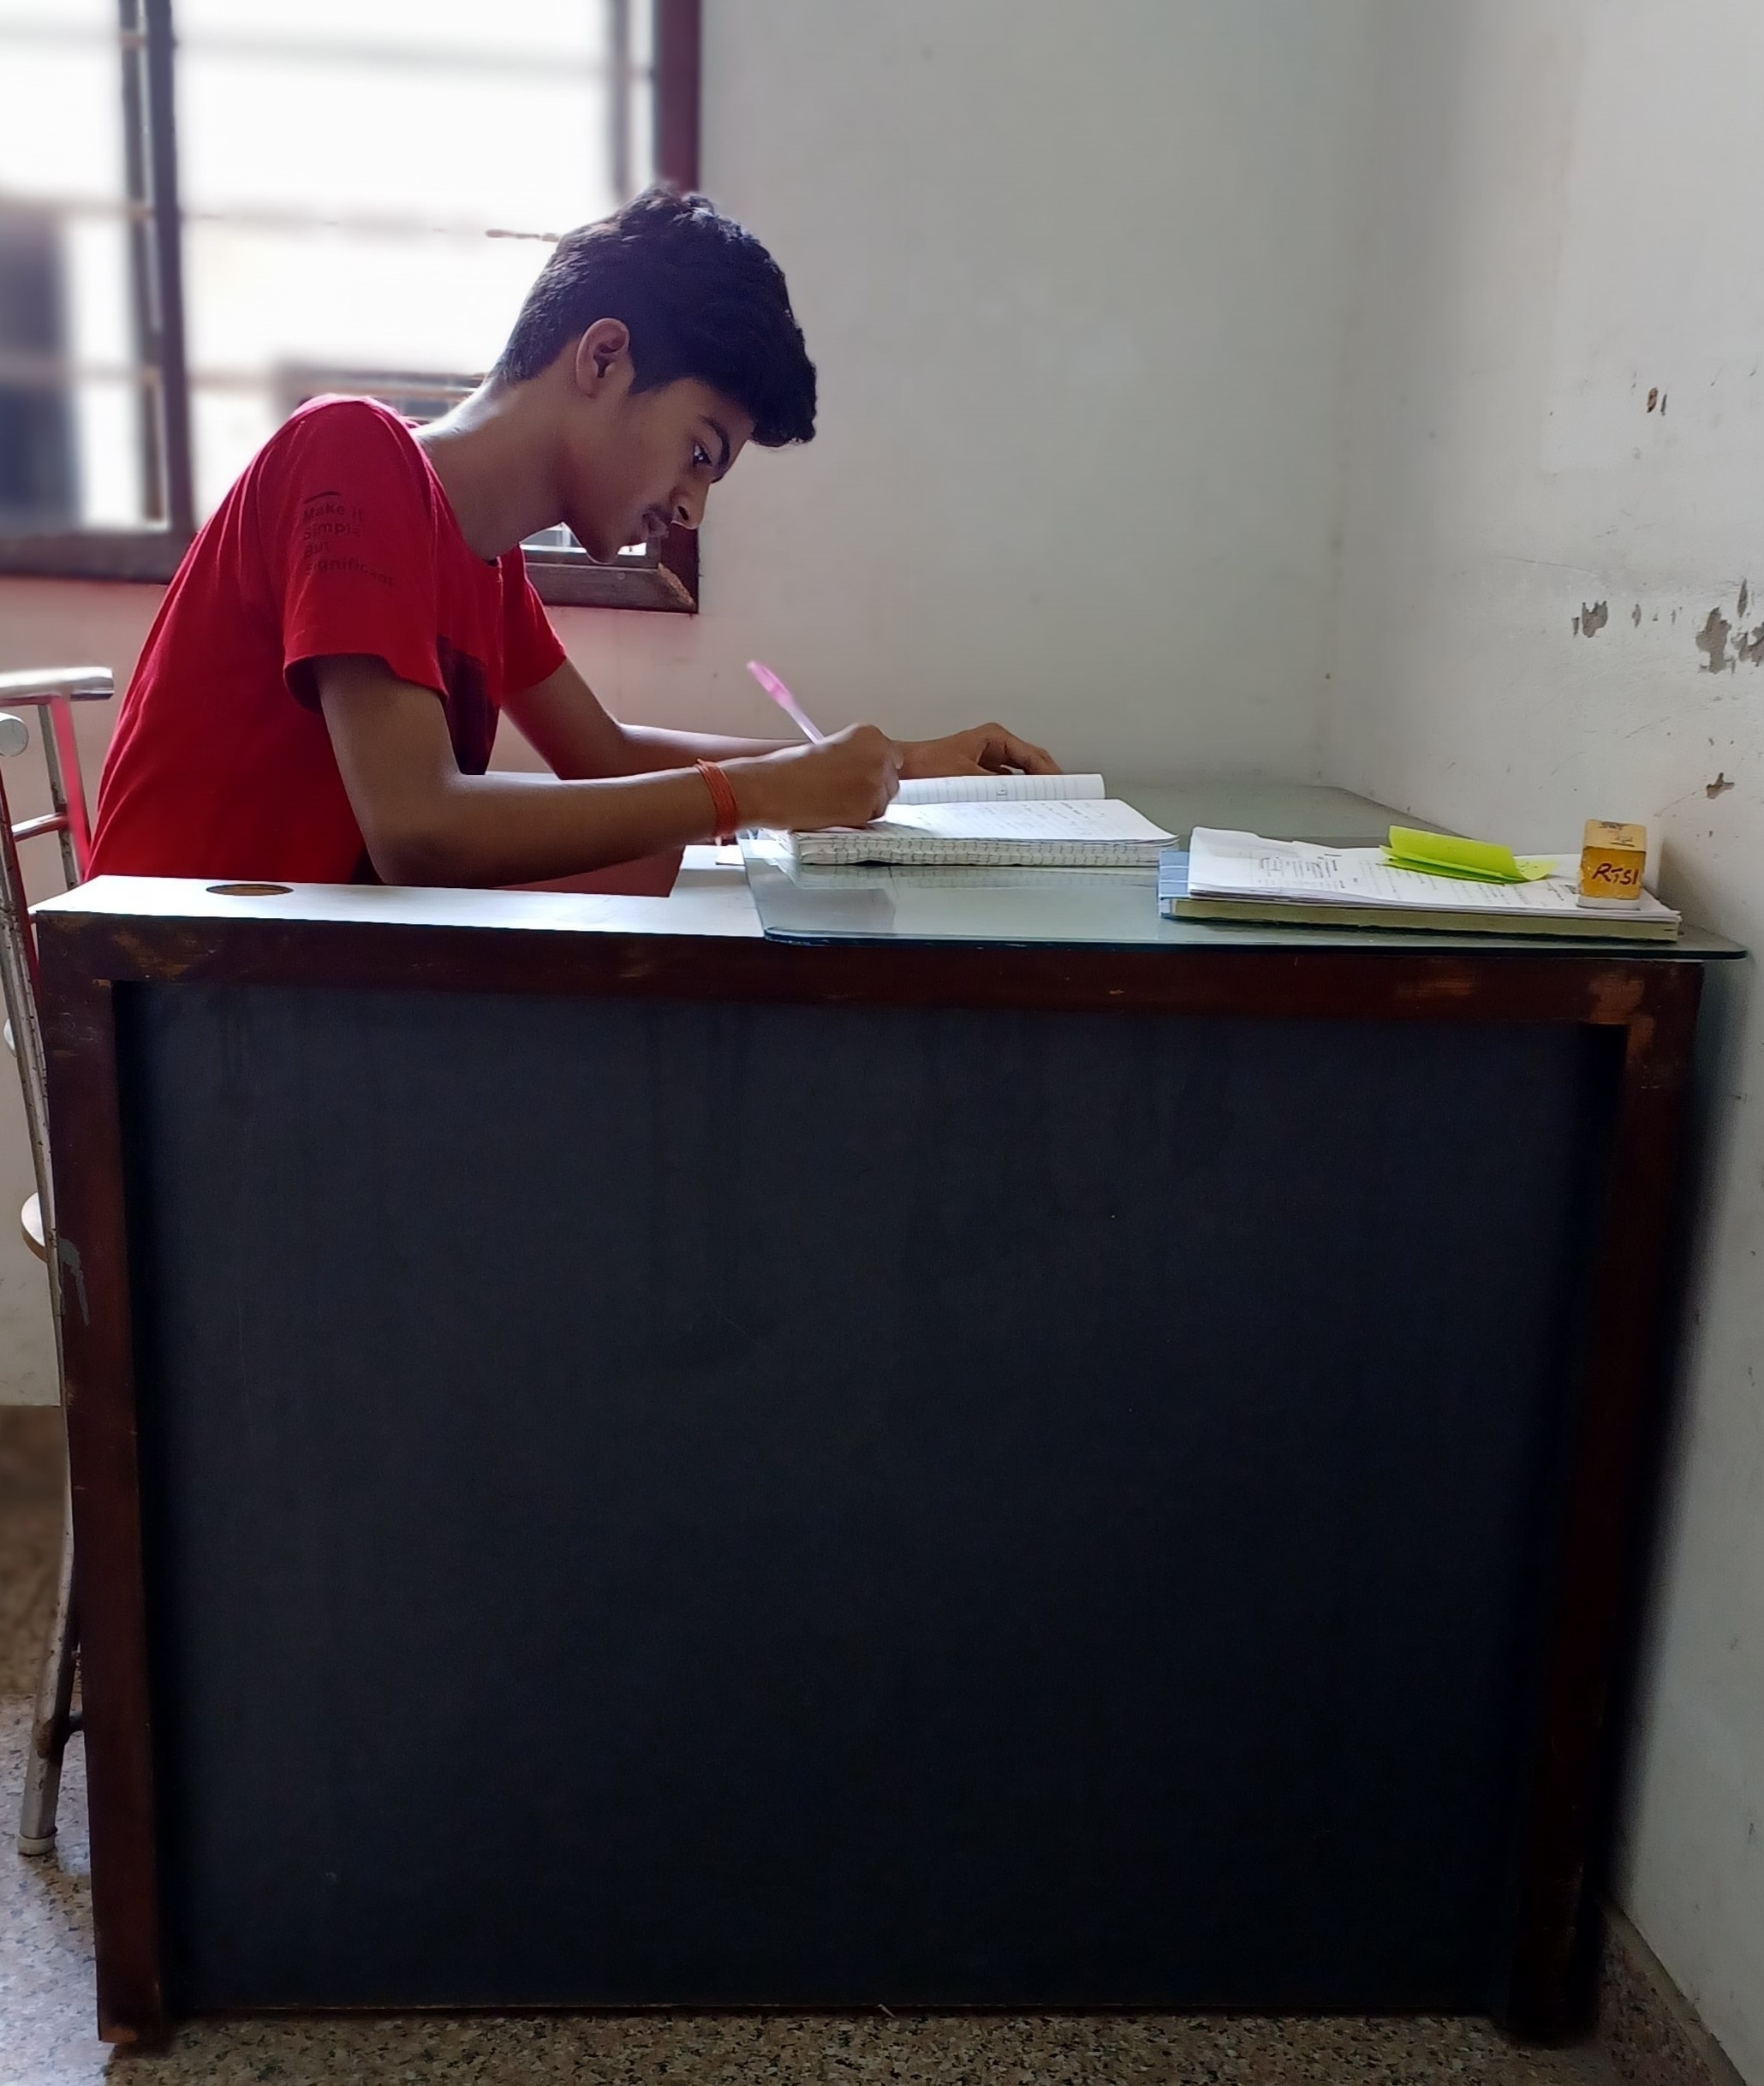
(527, 829)
(425, 822)
(650, 746)
(567, 725)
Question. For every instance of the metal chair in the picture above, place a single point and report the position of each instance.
(51, 694)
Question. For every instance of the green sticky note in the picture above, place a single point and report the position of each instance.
(1474, 861)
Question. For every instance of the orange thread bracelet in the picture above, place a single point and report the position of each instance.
(722, 799)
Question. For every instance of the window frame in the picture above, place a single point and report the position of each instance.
(153, 551)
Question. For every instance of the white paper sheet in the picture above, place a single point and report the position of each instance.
(1232, 865)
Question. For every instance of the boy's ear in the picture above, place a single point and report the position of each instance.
(603, 355)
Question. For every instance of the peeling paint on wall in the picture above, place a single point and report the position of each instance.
(1721, 656)
(1719, 787)
(1591, 621)
(1711, 640)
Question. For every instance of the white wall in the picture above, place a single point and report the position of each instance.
(1075, 278)
(1564, 210)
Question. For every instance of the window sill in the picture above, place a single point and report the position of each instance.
(93, 554)
(566, 579)
(575, 582)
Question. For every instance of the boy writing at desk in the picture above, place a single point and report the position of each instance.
(317, 697)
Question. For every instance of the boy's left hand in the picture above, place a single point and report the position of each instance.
(987, 749)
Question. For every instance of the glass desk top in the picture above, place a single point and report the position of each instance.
(1119, 906)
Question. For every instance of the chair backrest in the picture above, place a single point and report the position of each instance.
(51, 694)
(54, 693)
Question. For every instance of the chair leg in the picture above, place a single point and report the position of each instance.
(54, 1721)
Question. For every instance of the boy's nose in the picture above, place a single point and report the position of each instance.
(690, 506)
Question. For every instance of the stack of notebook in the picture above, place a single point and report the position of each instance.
(1292, 883)
(993, 821)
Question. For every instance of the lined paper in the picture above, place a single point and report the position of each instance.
(1066, 832)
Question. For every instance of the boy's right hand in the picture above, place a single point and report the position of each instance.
(846, 780)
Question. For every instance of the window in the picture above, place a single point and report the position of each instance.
(212, 209)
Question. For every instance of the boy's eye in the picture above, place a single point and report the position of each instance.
(700, 457)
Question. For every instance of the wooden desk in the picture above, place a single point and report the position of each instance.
(619, 1461)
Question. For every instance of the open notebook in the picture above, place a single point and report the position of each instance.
(994, 821)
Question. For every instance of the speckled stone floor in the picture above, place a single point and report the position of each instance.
(46, 2035)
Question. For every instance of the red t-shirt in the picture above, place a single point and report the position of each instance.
(337, 538)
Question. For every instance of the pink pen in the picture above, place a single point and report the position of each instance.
(786, 701)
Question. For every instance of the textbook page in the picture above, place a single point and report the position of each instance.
(1229, 864)
(996, 789)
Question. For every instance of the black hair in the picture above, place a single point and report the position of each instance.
(701, 296)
